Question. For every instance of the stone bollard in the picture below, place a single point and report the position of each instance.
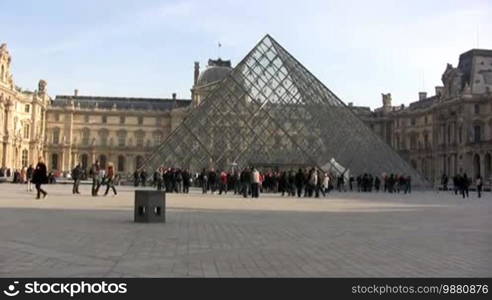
(150, 206)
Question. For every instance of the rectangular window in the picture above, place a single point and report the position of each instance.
(413, 142)
(24, 158)
(122, 119)
(26, 131)
(86, 118)
(476, 137)
(140, 120)
(27, 108)
(412, 121)
(477, 109)
(121, 140)
(157, 140)
(104, 140)
(56, 136)
(104, 119)
(140, 140)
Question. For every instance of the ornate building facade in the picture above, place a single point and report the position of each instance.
(22, 118)
(83, 129)
(75, 129)
(450, 132)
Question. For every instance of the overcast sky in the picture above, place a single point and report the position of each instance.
(359, 49)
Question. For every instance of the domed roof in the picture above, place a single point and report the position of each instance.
(215, 71)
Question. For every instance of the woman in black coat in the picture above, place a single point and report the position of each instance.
(39, 177)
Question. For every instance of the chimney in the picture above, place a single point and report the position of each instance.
(350, 104)
(197, 72)
(422, 95)
(174, 96)
(76, 92)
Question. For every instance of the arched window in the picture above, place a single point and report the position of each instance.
(25, 155)
(157, 135)
(140, 136)
(413, 141)
(121, 163)
(121, 138)
(476, 165)
(476, 134)
(488, 166)
(103, 134)
(54, 161)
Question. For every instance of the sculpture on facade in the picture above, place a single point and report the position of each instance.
(42, 86)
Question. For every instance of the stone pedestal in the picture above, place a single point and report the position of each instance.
(150, 206)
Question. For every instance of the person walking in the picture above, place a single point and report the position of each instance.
(465, 186)
(212, 180)
(76, 176)
(143, 177)
(110, 177)
(479, 186)
(158, 178)
(223, 183)
(96, 179)
(377, 183)
(204, 180)
(39, 177)
(29, 173)
(186, 181)
(23, 175)
(299, 181)
(245, 179)
(136, 178)
(255, 185)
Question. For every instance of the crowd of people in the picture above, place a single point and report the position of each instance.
(461, 184)
(248, 182)
(307, 182)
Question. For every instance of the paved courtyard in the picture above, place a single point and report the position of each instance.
(348, 234)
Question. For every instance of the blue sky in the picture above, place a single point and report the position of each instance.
(359, 49)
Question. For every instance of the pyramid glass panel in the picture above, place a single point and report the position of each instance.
(271, 111)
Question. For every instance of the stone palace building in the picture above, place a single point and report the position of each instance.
(448, 133)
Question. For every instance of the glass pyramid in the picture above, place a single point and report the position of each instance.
(270, 111)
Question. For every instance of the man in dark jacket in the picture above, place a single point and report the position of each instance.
(136, 178)
(143, 177)
(212, 180)
(299, 182)
(39, 177)
(186, 181)
(245, 179)
(76, 176)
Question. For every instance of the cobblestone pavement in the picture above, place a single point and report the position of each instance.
(345, 235)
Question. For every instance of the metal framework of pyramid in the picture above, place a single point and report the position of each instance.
(271, 111)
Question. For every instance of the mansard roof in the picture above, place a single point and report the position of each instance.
(121, 102)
